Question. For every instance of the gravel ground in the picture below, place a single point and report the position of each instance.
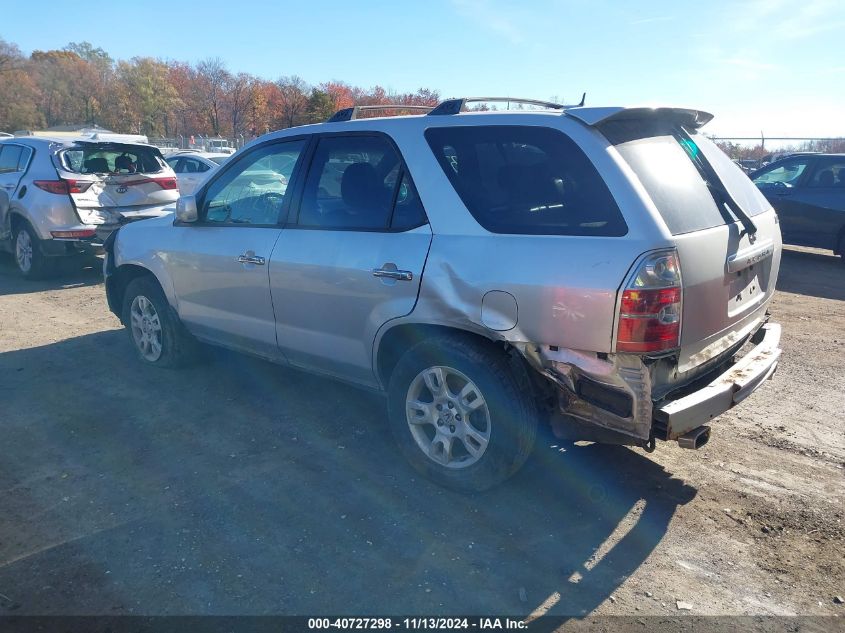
(239, 487)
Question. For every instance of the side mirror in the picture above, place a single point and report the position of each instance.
(186, 209)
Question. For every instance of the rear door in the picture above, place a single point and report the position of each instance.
(728, 272)
(219, 265)
(354, 258)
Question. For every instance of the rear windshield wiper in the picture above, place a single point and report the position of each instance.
(713, 182)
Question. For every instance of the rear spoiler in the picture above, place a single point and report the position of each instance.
(684, 116)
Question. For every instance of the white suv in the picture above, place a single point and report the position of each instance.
(605, 270)
(61, 197)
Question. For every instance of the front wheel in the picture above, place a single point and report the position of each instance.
(157, 335)
(459, 413)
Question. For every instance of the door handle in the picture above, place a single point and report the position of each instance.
(250, 258)
(400, 275)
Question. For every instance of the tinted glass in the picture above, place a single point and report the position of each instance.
(828, 173)
(736, 181)
(253, 190)
(351, 184)
(193, 166)
(671, 169)
(408, 212)
(10, 156)
(26, 152)
(175, 164)
(527, 179)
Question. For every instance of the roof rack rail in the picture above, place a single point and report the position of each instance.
(455, 106)
(349, 114)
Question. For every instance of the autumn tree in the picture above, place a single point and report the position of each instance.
(20, 112)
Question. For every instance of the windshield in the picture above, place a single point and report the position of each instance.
(112, 159)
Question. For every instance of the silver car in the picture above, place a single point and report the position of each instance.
(607, 271)
(61, 197)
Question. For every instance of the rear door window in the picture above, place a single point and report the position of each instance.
(359, 182)
(10, 158)
(526, 180)
(829, 172)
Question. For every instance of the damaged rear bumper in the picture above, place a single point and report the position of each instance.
(677, 417)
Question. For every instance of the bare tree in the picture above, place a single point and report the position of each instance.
(293, 97)
(215, 79)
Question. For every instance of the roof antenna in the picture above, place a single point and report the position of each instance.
(583, 98)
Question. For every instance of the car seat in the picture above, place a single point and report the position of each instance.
(364, 196)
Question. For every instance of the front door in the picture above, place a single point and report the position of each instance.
(354, 258)
(219, 265)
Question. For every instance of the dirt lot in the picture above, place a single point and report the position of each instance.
(241, 487)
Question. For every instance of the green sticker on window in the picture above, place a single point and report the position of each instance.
(689, 145)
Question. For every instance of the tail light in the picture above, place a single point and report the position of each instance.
(650, 312)
(63, 187)
(166, 183)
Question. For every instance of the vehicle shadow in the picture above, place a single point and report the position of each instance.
(73, 273)
(815, 273)
(239, 487)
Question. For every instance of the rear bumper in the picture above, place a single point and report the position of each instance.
(730, 388)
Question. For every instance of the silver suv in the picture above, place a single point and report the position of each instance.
(61, 197)
(604, 270)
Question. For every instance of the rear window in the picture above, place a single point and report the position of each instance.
(112, 159)
(527, 180)
(675, 166)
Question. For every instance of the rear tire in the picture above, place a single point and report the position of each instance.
(156, 333)
(459, 413)
(29, 259)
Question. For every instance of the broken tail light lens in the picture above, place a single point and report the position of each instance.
(63, 187)
(650, 310)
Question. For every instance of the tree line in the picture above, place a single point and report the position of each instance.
(81, 84)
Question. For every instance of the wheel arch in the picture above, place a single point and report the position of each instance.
(394, 341)
(119, 280)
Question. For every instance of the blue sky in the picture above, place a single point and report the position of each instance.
(775, 65)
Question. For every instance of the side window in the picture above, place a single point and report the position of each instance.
(786, 173)
(193, 166)
(10, 155)
(253, 189)
(829, 173)
(408, 212)
(526, 180)
(176, 164)
(352, 184)
(23, 161)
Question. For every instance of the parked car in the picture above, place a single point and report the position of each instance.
(192, 168)
(61, 197)
(808, 193)
(219, 146)
(606, 270)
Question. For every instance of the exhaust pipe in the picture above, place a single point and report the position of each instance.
(695, 439)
